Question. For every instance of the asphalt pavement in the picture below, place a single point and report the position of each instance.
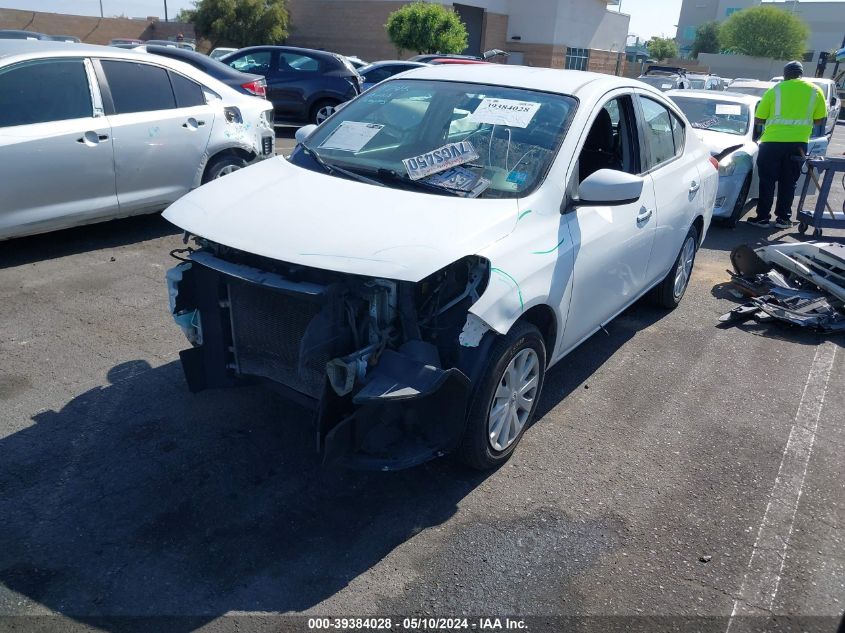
(676, 470)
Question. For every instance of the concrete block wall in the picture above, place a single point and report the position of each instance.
(92, 30)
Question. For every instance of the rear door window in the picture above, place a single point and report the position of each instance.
(661, 131)
(44, 90)
(137, 87)
(258, 62)
(294, 62)
(188, 93)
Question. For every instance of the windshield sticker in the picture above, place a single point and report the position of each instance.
(518, 178)
(505, 112)
(726, 108)
(440, 159)
(460, 180)
(665, 86)
(706, 123)
(351, 136)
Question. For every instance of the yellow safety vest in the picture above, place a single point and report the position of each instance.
(789, 108)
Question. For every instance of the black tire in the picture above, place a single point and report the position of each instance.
(739, 206)
(319, 109)
(221, 166)
(817, 232)
(802, 228)
(664, 294)
(477, 450)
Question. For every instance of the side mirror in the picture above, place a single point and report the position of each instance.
(303, 133)
(609, 187)
(833, 101)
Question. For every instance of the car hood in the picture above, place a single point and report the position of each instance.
(296, 215)
(718, 142)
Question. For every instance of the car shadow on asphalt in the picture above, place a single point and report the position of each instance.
(92, 237)
(140, 499)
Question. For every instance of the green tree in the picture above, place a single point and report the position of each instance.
(186, 15)
(427, 28)
(765, 32)
(241, 23)
(706, 39)
(661, 48)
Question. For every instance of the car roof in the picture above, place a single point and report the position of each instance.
(565, 82)
(290, 49)
(715, 95)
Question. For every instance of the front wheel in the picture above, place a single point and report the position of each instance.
(739, 206)
(505, 399)
(669, 292)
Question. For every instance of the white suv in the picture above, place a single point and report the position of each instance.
(90, 133)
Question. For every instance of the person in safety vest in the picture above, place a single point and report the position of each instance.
(789, 110)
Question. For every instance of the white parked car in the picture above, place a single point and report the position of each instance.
(91, 133)
(428, 252)
(834, 103)
(724, 121)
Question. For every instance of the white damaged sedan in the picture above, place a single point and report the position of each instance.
(426, 254)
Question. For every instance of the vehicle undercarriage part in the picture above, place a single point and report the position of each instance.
(379, 360)
(802, 284)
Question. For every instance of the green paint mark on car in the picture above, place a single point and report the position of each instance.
(551, 250)
(516, 283)
(523, 214)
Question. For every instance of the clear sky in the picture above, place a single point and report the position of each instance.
(652, 17)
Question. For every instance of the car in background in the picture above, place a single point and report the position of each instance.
(123, 42)
(16, 34)
(379, 71)
(776, 79)
(357, 62)
(221, 51)
(173, 44)
(246, 83)
(425, 255)
(834, 103)
(65, 38)
(428, 57)
(90, 133)
(304, 85)
(724, 122)
(665, 78)
(705, 82)
(448, 61)
(750, 87)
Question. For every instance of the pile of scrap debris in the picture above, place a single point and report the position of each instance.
(801, 284)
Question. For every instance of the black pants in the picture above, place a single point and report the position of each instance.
(775, 164)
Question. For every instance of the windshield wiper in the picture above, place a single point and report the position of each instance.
(393, 175)
(330, 168)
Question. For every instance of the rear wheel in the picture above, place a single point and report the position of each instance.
(669, 292)
(505, 399)
(322, 110)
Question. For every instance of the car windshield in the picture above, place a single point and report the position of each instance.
(715, 115)
(444, 137)
(697, 84)
(661, 82)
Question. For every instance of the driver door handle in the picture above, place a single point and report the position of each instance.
(694, 186)
(644, 215)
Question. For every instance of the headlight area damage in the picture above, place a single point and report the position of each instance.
(379, 360)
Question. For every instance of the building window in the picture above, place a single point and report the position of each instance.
(689, 32)
(731, 10)
(808, 56)
(577, 58)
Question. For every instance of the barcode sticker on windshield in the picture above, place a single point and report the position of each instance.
(505, 112)
(351, 136)
(728, 108)
(665, 86)
(440, 159)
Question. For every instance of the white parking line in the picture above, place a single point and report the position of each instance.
(762, 577)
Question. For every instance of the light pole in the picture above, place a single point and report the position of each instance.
(165, 11)
(101, 8)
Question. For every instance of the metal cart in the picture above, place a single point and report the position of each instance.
(821, 172)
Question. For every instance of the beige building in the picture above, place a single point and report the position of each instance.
(577, 34)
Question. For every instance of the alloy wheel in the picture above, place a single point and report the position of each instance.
(684, 270)
(513, 399)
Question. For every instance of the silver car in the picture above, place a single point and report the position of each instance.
(91, 133)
